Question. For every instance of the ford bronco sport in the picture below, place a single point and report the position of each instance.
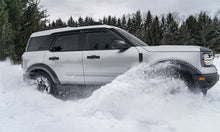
(95, 55)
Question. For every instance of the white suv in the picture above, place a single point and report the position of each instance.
(95, 55)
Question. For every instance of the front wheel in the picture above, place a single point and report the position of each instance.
(189, 81)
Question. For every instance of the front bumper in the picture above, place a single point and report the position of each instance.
(206, 81)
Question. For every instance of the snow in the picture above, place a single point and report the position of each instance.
(133, 102)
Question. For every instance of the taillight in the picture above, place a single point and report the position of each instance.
(21, 62)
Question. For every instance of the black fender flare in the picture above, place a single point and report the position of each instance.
(184, 66)
(45, 68)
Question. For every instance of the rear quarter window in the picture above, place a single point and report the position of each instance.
(39, 43)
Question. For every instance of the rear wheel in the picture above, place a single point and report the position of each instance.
(44, 82)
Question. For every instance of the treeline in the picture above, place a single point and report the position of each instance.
(201, 29)
(20, 18)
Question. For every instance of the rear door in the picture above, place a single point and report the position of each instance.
(102, 63)
(65, 58)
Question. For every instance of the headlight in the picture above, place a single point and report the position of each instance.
(207, 59)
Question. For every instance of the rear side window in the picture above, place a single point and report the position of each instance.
(68, 42)
(38, 44)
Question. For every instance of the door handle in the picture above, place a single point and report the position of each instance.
(54, 58)
(93, 57)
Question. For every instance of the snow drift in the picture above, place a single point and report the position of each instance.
(133, 102)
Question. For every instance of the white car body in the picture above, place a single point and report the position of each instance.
(74, 67)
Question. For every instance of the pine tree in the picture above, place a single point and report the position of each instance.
(153, 33)
(81, 21)
(134, 25)
(25, 17)
(109, 22)
(59, 23)
(6, 34)
(170, 36)
(185, 37)
(114, 21)
(163, 25)
(88, 20)
(148, 20)
(124, 22)
(192, 25)
(138, 21)
(71, 22)
(169, 19)
(156, 31)
(105, 20)
(119, 24)
(206, 32)
(147, 34)
(53, 24)
(148, 37)
(216, 24)
(129, 25)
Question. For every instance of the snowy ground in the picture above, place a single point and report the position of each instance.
(131, 103)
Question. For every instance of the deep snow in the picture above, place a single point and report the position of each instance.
(133, 102)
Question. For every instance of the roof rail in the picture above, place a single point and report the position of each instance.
(50, 28)
(74, 25)
(86, 24)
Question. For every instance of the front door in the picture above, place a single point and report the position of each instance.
(101, 61)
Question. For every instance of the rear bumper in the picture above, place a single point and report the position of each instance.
(206, 81)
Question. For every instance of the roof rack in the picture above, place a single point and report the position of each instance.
(74, 25)
(50, 28)
(86, 24)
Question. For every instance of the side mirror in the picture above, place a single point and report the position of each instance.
(119, 44)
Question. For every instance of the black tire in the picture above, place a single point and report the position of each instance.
(171, 70)
(189, 81)
(44, 82)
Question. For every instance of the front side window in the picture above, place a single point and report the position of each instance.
(101, 40)
(67, 43)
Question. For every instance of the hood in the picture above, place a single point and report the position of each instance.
(172, 48)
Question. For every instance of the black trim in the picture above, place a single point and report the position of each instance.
(27, 46)
(44, 68)
(140, 57)
(203, 49)
(210, 80)
(183, 65)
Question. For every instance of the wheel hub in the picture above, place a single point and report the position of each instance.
(43, 84)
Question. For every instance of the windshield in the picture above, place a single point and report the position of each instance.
(131, 38)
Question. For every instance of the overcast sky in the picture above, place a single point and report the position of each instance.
(99, 8)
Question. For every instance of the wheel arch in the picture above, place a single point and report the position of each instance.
(184, 65)
(43, 68)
